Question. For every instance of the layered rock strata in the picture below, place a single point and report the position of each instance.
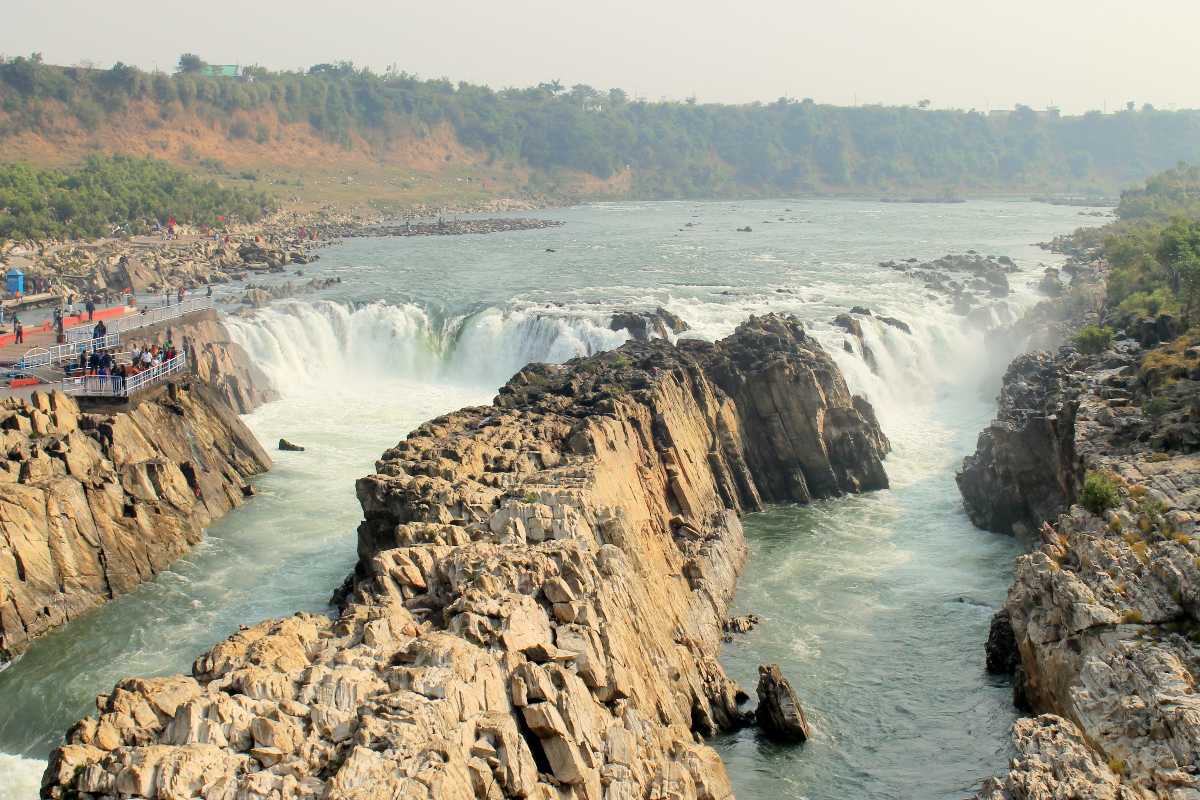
(93, 504)
(1102, 622)
(538, 602)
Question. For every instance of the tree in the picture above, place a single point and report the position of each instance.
(190, 63)
(924, 104)
(1179, 254)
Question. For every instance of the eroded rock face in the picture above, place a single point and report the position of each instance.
(1053, 761)
(1104, 613)
(538, 602)
(93, 504)
(1024, 469)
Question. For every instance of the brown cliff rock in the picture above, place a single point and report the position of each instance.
(93, 504)
(537, 607)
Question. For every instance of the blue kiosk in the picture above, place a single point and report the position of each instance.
(14, 281)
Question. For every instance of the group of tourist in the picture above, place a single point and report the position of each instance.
(103, 365)
(152, 355)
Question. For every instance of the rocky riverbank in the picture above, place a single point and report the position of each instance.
(975, 286)
(95, 502)
(151, 264)
(446, 227)
(538, 602)
(1102, 623)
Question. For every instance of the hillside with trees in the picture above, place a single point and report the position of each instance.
(110, 193)
(647, 149)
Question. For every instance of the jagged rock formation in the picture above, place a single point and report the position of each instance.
(1104, 615)
(538, 602)
(1054, 761)
(646, 325)
(1024, 471)
(93, 504)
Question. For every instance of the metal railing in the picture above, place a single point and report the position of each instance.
(137, 320)
(117, 386)
(48, 356)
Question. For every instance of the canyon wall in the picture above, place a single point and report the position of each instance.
(93, 503)
(537, 605)
(1102, 623)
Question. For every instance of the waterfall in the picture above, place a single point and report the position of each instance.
(306, 344)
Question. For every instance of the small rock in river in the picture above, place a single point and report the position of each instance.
(779, 714)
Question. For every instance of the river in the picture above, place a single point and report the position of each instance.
(875, 606)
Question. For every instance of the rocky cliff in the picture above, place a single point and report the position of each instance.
(1103, 618)
(1023, 471)
(94, 503)
(537, 605)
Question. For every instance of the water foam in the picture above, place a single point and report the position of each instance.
(308, 343)
(21, 777)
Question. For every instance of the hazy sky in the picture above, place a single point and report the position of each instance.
(1078, 54)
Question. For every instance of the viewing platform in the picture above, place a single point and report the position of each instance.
(38, 362)
(118, 386)
(144, 317)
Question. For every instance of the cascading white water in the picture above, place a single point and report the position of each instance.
(300, 343)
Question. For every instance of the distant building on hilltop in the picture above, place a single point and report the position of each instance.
(221, 71)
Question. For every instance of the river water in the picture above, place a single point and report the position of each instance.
(876, 606)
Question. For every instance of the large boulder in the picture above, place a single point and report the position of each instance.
(807, 436)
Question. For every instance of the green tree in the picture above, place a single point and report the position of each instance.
(190, 63)
(1179, 254)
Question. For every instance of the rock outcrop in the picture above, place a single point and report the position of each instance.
(1104, 615)
(1024, 469)
(643, 326)
(1053, 762)
(537, 607)
(972, 285)
(261, 296)
(779, 714)
(93, 504)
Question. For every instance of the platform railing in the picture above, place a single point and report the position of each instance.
(49, 356)
(117, 386)
(141, 319)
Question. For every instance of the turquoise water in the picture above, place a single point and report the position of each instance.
(876, 606)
